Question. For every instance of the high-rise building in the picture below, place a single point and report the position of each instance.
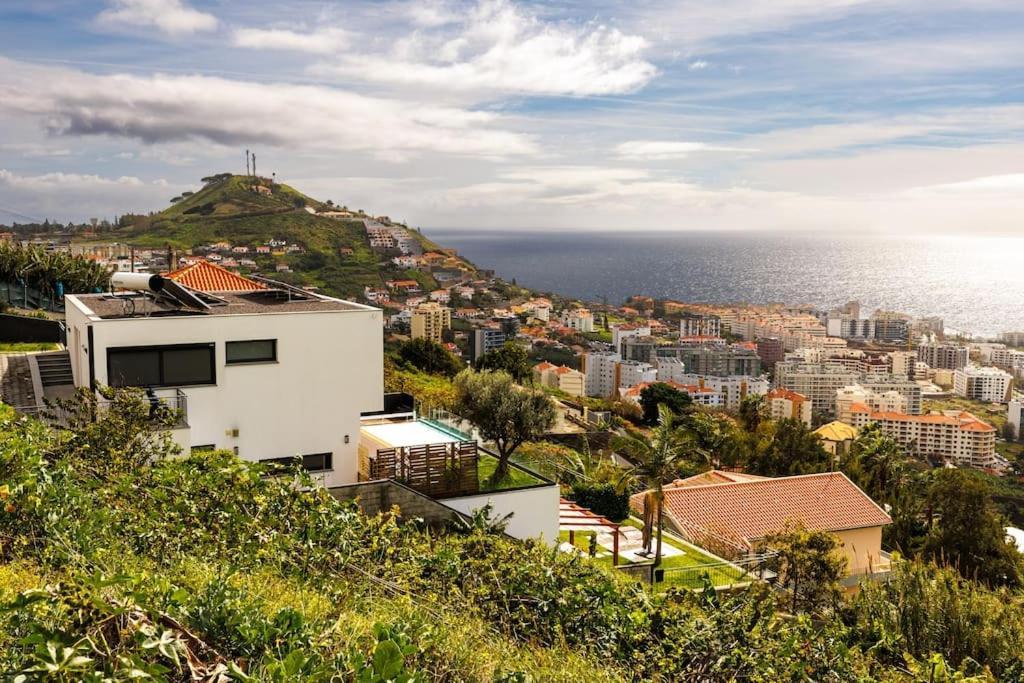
(430, 320)
(771, 351)
(484, 340)
(983, 384)
(944, 356)
(601, 373)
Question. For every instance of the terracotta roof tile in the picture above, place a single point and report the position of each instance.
(746, 511)
(209, 277)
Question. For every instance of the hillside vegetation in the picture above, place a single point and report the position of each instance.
(120, 563)
(228, 208)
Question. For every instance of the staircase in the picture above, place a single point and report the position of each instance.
(55, 369)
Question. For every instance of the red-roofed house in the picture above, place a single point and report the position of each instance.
(731, 514)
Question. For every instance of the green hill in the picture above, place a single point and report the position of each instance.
(246, 210)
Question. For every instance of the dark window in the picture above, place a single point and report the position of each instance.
(161, 366)
(315, 462)
(204, 448)
(253, 351)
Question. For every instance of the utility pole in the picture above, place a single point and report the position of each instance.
(254, 165)
(247, 162)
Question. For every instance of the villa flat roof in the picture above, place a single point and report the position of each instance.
(108, 305)
(412, 433)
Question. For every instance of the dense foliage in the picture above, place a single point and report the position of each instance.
(602, 499)
(428, 356)
(123, 564)
(34, 267)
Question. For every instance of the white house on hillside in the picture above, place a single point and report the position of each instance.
(264, 369)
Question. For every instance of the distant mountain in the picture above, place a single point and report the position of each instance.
(251, 211)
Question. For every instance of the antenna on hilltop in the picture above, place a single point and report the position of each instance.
(246, 162)
(254, 165)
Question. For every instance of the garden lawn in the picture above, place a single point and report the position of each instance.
(516, 477)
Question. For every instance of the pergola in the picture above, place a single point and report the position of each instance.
(573, 518)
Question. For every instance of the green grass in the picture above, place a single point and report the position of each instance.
(516, 478)
(27, 347)
(676, 566)
(993, 414)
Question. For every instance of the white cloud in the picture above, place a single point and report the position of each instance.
(1009, 184)
(77, 196)
(661, 150)
(164, 108)
(172, 17)
(324, 41)
(697, 65)
(497, 46)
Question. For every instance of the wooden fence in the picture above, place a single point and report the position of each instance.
(440, 469)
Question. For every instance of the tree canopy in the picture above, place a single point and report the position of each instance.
(511, 359)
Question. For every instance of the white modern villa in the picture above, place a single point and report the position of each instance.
(266, 370)
(274, 372)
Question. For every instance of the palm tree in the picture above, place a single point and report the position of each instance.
(656, 461)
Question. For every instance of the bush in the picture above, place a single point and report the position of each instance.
(602, 499)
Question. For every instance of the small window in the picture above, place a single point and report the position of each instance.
(253, 351)
(315, 462)
(161, 366)
(204, 448)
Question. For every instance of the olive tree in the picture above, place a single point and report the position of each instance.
(504, 413)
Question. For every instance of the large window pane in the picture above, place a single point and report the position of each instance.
(253, 351)
(139, 368)
(188, 366)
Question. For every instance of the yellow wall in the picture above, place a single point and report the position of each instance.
(862, 549)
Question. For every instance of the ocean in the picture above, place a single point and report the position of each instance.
(976, 284)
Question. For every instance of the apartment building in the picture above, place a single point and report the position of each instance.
(633, 372)
(698, 325)
(881, 384)
(600, 370)
(1009, 359)
(717, 359)
(484, 340)
(261, 368)
(881, 402)
(784, 404)
(1014, 413)
(579, 319)
(771, 351)
(429, 321)
(1012, 338)
(559, 377)
(953, 436)
(944, 356)
(626, 331)
(983, 384)
(817, 382)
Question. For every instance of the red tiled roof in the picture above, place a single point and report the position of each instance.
(961, 419)
(715, 477)
(746, 511)
(786, 394)
(209, 277)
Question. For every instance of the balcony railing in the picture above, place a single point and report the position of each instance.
(167, 407)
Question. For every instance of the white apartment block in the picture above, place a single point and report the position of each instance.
(1014, 412)
(633, 372)
(991, 385)
(880, 402)
(601, 373)
(696, 325)
(626, 331)
(579, 319)
(671, 370)
(954, 436)
(784, 404)
(817, 382)
(266, 370)
(699, 395)
(1009, 359)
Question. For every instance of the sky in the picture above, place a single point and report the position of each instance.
(887, 116)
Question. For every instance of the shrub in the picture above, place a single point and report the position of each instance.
(602, 499)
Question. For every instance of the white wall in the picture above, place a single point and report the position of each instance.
(329, 369)
(534, 510)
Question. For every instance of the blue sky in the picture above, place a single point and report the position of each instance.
(842, 115)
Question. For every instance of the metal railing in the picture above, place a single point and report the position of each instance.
(165, 406)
